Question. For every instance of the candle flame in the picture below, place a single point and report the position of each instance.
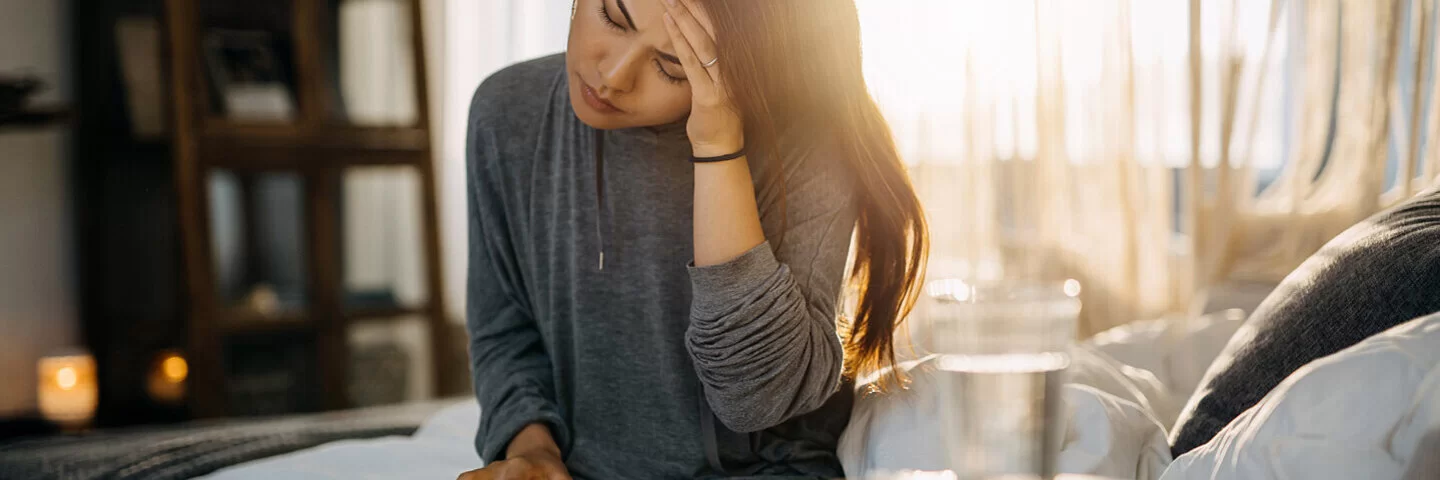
(175, 368)
(65, 377)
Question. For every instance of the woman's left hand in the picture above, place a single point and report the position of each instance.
(715, 127)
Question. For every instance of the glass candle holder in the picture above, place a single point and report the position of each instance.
(166, 381)
(67, 390)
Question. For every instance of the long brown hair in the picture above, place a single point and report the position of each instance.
(793, 67)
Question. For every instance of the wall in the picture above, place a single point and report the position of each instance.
(37, 291)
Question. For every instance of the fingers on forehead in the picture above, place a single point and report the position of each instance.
(701, 16)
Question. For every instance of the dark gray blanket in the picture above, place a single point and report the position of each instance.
(1376, 275)
(199, 448)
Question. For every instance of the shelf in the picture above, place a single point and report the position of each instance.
(297, 323)
(257, 325)
(226, 133)
(34, 119)
(269, 158)
(372, 313)
(265, 327)
(288, 147)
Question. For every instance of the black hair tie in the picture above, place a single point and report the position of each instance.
(741, 153)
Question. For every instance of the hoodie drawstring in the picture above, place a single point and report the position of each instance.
(600, 193)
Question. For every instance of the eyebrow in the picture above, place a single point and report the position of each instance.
(626, 13)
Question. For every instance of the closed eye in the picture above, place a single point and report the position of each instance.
(666, 75)
(610, 22)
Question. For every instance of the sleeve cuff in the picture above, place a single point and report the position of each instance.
(716, 288)
(503, 430)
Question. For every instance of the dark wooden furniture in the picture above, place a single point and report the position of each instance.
(318, 146)
(151, 276)
(126, 229)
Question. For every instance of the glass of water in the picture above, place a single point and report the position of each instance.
(1003, 350)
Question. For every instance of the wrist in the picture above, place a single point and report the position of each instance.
(534, 438)
(716, 148)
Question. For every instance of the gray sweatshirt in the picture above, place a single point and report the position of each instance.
(626, 363)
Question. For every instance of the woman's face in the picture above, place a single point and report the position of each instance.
(623, 70)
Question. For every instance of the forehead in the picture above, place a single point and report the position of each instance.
(648, 14)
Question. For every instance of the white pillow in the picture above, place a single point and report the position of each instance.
(1360, 413)
(1108, 431)
(1178, 350)
(1093, 367)
(1111, 437)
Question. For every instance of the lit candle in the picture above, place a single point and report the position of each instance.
(67, 392)
(166, 382)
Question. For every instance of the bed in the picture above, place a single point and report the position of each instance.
(1125, 387)
(435, 440)
(199, 448)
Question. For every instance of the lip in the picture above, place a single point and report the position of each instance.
(594, 101)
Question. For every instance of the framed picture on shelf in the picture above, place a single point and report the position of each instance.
(249, 75)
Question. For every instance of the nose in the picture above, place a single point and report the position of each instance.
(619, 74)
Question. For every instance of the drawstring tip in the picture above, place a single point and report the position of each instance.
(602, 259)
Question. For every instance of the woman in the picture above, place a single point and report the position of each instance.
(735, 136)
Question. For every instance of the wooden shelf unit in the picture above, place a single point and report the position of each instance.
(318, 150)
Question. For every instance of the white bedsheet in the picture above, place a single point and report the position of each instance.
(1110, 429)
(442, 448)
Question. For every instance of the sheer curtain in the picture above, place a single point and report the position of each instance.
(480, 38)
(1063, 138)
(1152, 148)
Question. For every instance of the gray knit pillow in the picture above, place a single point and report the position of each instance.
(1378, 274)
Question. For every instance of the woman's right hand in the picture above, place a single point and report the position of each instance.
(538, 466)
(532, 455)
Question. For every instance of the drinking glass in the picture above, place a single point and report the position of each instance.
(1003, 350)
